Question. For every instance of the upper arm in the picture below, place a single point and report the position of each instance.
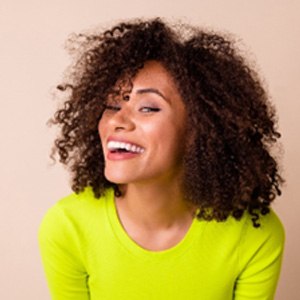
(260, 260)
(60, 252)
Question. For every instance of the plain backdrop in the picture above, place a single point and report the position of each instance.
(32, 59)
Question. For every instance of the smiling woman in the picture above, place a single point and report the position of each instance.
(153, 120)
(168, 135)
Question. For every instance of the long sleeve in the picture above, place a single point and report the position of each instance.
(260, 255)
(87, 255)
(61, 256)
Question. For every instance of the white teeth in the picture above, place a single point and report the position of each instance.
(114, 145)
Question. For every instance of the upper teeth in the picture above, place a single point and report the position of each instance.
(113, 145)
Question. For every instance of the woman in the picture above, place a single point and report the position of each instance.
(168, 135)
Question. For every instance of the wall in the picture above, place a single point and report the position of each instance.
(32, 59)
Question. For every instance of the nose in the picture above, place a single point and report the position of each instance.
(122, 120)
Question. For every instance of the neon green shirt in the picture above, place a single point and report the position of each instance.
(87, 254)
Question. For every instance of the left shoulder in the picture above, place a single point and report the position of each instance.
(260, 253)
(270, 228)
(264, 244)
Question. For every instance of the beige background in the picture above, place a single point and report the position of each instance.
(32, 59)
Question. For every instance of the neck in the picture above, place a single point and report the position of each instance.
(154, 207)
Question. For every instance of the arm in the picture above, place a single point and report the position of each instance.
(260, 255)
(61, 256)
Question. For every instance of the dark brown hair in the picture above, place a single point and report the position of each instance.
(229, 169)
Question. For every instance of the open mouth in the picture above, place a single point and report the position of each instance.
(121, 147)
(120, 150)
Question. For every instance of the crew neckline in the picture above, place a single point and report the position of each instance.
(134, 248)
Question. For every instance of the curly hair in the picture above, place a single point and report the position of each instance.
(229, 168)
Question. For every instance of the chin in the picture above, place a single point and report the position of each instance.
(117, 178)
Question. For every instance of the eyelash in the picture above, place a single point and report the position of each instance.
(145, 109)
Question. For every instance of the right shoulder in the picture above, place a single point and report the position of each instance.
(74, 214)
(80, 204)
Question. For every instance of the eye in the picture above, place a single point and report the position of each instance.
(147, 109)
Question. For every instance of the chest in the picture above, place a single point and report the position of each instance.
(199, 272)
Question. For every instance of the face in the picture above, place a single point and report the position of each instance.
(143, 138)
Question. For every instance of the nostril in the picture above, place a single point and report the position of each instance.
(119, 128)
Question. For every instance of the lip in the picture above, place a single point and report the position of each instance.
(116, 156)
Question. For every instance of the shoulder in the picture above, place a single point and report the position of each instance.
(262, 245)
(271, 229)
(73, 215)
(79, 205)
(244, 237)
(269, 224)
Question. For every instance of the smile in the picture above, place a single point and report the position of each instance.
(115, 146)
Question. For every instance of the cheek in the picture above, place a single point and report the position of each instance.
(159, 130)
(101, 127)
(166, 135)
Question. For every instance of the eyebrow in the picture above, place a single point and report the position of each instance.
(151, 90)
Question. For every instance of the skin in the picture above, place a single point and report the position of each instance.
(152, 208)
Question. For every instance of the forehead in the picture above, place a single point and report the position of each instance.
(153, 79)
(154, 75)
